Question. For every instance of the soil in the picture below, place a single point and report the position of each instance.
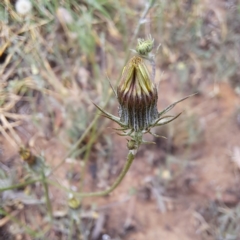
(172, 185)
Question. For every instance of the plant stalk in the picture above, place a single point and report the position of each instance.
(130, 158)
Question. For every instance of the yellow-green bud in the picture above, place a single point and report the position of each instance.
(131, 144)
(137, 96)
(144, 46)
(27, 156)
(74, 203)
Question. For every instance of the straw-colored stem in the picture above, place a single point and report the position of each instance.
(79, 141)
(147, 8)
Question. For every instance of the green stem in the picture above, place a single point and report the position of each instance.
(125, 169)
(48, 202)
(31, 232)
(71, 228)
(19, 185)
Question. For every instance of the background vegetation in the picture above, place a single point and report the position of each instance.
(55, 61)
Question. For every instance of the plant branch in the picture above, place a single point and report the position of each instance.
(130, 158)
(20, 185)
(48, 202)
(125, 169)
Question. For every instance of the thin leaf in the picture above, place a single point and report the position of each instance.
(160, 124)
(170, 107)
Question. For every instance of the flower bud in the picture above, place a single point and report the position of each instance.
(137, 96)
(27, 156)
(73, 202)
(144, 46)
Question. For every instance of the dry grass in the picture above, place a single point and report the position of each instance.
(56, 61)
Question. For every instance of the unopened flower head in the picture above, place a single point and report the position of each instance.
(23, 6)
(144, 47)
(137, 96)
(27, 156)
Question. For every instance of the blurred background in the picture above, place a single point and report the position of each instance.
(56, 59)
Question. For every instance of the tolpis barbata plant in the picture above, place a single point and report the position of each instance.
(137, 96)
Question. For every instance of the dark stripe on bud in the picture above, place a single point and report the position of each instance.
(137, 96)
